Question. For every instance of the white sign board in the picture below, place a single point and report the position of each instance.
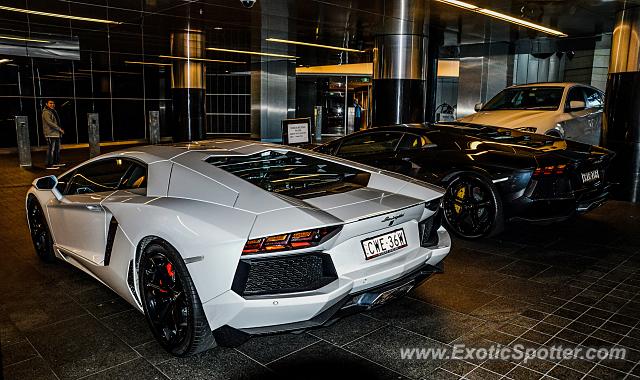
(298, 133)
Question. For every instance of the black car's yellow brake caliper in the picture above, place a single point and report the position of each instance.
(459, 195)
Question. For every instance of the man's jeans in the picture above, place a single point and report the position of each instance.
(53, 151)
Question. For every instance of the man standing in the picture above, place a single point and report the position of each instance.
(52, 132)
(357, 122)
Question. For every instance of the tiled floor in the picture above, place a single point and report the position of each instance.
(573, 283)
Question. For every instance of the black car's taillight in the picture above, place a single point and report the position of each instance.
(289, 241)
(549, 171)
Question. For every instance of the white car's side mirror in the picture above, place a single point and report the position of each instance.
(577, 105)
(49, 182)
(478, 106)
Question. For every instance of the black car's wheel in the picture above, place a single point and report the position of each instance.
(171, 303)
(40, 234)
(472, 207)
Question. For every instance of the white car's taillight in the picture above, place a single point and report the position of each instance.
(289, 241)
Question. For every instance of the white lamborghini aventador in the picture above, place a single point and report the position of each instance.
(221, 240)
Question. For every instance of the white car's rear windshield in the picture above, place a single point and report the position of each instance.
(293, 174)
(526, 98)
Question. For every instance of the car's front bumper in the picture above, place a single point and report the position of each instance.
(233, 313)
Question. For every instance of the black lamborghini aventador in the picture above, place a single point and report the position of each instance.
(491, 175)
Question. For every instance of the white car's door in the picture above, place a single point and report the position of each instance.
(79, 222)
(577, 125)
(595, 106)
(78, 225)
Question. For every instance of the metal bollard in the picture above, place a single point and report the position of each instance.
(317, 116)
(24, 144)
(154, 127)
(94, 134)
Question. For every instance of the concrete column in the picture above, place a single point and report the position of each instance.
(188, 83)
(621, 129)
(400, 64)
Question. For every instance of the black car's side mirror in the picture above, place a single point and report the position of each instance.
(49, 182)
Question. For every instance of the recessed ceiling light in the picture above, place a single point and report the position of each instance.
(314, 45)
(251, 52)
(461, 4)
(38, 13)
(198, 59)
(217, 28)
(503, 17)
(22, 39)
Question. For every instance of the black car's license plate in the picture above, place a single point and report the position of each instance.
(590, 176)
(383, 244)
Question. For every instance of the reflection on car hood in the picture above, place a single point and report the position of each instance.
(336, 209)
(488, 138)
(513, 118)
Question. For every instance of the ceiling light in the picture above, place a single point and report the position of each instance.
(461, 4)
(198, 59)
(4, 60)
(149, 63)
(314, 45)
(32, 12)
(217, 28)
(521, 22)
(252, 52)
(503, 17)
(22, 39)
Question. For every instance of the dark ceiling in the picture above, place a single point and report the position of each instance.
(147, 24)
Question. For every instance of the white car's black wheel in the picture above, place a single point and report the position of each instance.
(472, 207)
(40, 234)
(171, 303)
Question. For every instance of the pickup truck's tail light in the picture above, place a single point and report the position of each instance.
(289, 241)
(549, 170)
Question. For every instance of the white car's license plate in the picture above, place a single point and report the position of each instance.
(383, 244)
(590, 176)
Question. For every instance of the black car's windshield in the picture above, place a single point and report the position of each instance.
(293, 174)
(526, 98)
